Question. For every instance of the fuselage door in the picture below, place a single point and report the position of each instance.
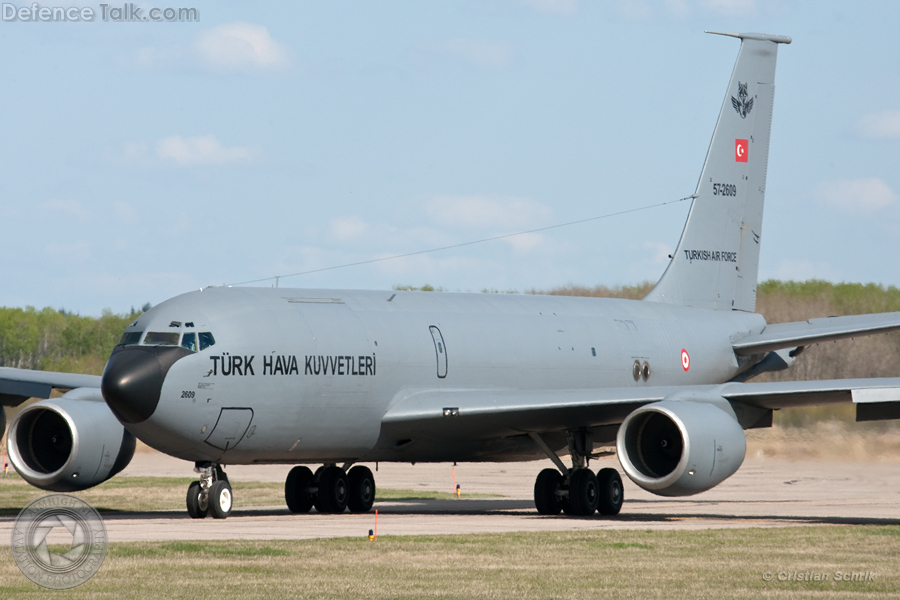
(230, 428)
(440, 351)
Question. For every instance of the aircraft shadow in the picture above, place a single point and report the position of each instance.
(524, 509)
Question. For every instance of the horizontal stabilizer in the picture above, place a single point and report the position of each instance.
(814, 331)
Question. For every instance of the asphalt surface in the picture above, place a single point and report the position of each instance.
(763, 493)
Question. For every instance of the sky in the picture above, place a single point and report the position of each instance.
(140, 160)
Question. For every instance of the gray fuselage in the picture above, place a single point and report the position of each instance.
(307, 375)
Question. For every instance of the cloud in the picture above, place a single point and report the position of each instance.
(880, 126)
(554, 7)
(202, 150)
(125, 213)
(488, 56)
(730, 8)
(526, 241)
(135, 284)
(78, 251)
(661, 252)
(347, 228)
(635, 10)
(801, 269)
(484, 211)
(67, 208)
(678, 8)
(241, 47)
(864, 195)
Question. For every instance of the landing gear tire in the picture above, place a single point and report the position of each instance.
(333, 491)
(197, 502)
(584, 492)
(546, 492)
(220, 499)
(361, 484)
(296, 490)
(611, 493)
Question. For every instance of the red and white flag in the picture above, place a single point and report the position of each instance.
(740, 150)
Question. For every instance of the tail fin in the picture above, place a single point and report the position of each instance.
(717, 259)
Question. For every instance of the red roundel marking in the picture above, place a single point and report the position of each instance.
(685, 360)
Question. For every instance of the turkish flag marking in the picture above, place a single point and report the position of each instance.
(740, 150)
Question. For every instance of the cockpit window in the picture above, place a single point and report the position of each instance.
(206, 340)
(161, 338)
(130, 338)
(189, 341)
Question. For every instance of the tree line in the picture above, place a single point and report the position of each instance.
(56, 340)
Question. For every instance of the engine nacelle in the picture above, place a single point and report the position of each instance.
(70, 443)
(684, 445)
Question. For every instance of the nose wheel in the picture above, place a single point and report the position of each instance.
(211, 494)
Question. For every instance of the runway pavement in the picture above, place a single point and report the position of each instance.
(764, 493)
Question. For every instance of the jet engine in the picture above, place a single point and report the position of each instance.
(683, 445)
(70, 443)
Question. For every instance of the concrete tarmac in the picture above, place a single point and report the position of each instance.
(763, 493)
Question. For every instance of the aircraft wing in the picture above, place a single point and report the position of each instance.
(18, 385)
(804, 333)
(474, 414)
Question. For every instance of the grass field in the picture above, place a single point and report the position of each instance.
(729, 563)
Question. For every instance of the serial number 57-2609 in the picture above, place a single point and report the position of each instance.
(187, 394)
(724, 189)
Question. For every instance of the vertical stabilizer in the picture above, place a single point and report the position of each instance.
(717, 259)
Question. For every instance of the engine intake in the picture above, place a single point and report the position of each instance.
(681, 446)
(70, 443)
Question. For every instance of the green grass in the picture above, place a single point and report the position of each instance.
(168, 493)
(726, 563)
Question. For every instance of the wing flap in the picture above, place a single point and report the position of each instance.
(814, 331)
(466, 414)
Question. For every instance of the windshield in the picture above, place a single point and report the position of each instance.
(161, 338)
(130, 338)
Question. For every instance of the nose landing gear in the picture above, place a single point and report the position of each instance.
(211, 494)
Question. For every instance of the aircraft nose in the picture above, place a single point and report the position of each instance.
(133, 379)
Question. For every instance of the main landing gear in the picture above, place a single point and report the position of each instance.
(331, 489)
(576, 491)
(211, 494)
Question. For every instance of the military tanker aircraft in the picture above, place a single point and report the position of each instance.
(236, 375)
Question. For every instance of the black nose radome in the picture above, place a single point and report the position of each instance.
(133, 379)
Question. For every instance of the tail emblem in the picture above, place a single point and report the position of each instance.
(740, 150)
(745, 104)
